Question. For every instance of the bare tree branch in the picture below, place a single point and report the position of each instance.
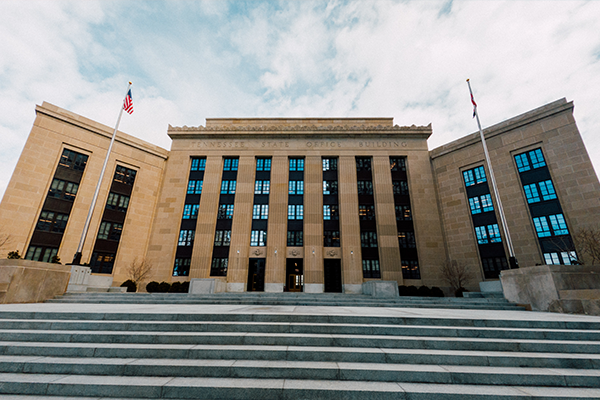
(139, 270)
(587, 241)
(455, 274)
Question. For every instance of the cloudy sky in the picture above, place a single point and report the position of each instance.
(190, 60)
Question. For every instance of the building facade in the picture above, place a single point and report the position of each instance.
(302, 204)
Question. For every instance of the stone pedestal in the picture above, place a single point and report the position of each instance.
(207, 286)
(380, 288)
(558, 288)
(26, 281)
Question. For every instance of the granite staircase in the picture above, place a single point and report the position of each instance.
(289, 299)
(204, 351)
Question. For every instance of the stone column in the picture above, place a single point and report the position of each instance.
(352, 276)
(207, 218)
(277, 228)
(385, 213)
(313, 225)
(237, 270)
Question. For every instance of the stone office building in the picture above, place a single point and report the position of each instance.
(302, 204)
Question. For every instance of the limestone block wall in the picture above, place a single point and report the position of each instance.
(550, 127)
(55, 129)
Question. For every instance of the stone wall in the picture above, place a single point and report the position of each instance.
(25, 281)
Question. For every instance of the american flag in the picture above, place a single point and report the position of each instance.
(128, 103)
(474, 105)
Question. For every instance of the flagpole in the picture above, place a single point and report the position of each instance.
(512, 263)
(77, 256)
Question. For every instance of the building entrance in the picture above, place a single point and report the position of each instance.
(333, 275)
(295, 274)
(256, 275)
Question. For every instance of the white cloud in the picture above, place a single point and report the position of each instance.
(191, 60)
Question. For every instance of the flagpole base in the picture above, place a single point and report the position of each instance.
(513, 263)
(77, 259)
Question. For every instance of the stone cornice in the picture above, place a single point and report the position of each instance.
(301, 128)
(291, 131)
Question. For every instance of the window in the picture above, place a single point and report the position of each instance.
(331, 212)
(474, 176)
(547, 189)
(294, 238)
(198, 164)
(296, 164)
(398, 164)
(410, 269)
(365, 187)
(363, 163)
(118, 202)
(406, 240)
(330, 164)
(541, 226)
(124, 175)
(60, 189)
(400, 187)
(366, 212)
(559, 225)
(296, 187)
(368, 239)
(295, 211)
(110, 231)
(493, 265)
(263, 164)
(219, 267)
(475, 205)
(230, 164)
(52, 222)
(182, 267)
(225, 211)
(190, 211)
(260, 211)
(102, 262)
(73, 160)
(194, 187)
(371, 269)
(331, 238)
(330, 187)
(186, 237)
(403, 213)
(531, 159)
(37, 253)
(486, 203)
(488, 234)
(258, 238)
(228, 187)
(564, 258)
(532, 193)
(222, 238)
(480, 204)
(262, 187)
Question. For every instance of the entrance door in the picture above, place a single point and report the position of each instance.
(295, 275)
(333, 275)
(256, 275)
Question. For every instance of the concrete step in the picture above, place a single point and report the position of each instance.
(442, 318)
(278, 352)
(307, 299)
(304, 339)
(262, 369)
(221, 388)
(303, 353)
(82, 326)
